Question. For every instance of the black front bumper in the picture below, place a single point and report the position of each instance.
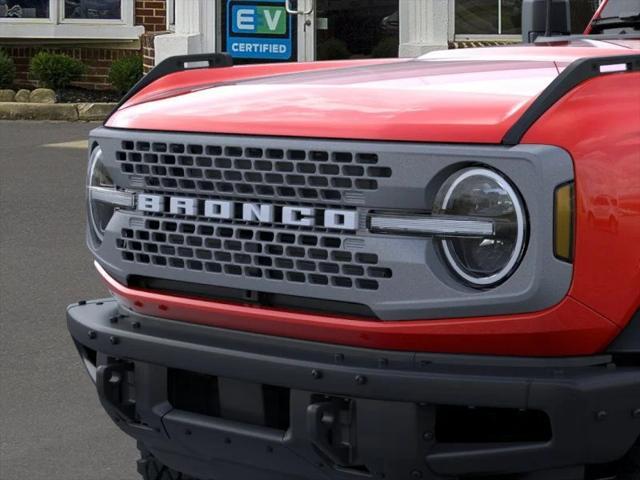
(347, 412)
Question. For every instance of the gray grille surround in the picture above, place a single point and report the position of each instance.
(397, 277)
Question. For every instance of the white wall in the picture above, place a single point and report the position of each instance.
(425, 25)
(194, 30)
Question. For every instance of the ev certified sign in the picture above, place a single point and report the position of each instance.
(259, 29)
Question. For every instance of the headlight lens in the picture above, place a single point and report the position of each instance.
(102, 195)
(480, 193)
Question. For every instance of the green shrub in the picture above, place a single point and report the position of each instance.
(54, 70)
(388, 47)
(7, 70)
(333, 49)
(125, 72)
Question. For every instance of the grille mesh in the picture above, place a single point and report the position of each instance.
(306, 175)
(278, 255)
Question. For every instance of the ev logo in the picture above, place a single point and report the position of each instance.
(259, 29)
(260, 20)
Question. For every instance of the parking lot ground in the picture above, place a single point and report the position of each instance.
(51, 424)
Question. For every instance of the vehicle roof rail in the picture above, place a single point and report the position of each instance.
(178, 63)
(574, 74)
(542, 40)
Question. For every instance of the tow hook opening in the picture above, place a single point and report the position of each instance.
(115, 384)
(331, 423)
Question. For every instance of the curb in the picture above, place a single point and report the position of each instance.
(69, 112)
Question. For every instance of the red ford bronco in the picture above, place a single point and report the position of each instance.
(386, 269)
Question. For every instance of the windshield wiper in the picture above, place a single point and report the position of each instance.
(621, 21)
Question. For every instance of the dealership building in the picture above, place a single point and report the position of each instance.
(99, 31)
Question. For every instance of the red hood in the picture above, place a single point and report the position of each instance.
(472, 95)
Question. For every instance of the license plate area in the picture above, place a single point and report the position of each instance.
(230, 399)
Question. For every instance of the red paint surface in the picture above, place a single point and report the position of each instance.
(464, 96)
(570, 328)
(599, 124)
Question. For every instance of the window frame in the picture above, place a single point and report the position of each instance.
(59, 27)
(485, 36)
(171, 15)
(491, 36)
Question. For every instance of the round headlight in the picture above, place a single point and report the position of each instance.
(100, 210)
(480, 193)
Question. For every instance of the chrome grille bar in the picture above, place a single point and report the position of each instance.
(432, 226)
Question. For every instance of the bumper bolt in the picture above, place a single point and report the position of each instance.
(361, 379)
(113, 319)
(227, 440)
(427, 436)
(135, 325)
(114, 340)
(317, 374)
(338, 358)
(383, 362)
(416, 474)
(91, 334)
(601, 415)
(187, 432)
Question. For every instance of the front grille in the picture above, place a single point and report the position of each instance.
(307, 175)
(312, 258)
(320, 266)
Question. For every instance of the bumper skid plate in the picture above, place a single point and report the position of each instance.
(223, 404)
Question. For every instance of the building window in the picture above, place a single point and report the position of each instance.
(488, 17)
(504, 17)
(57, 19)
(93, 9)
(18, 9)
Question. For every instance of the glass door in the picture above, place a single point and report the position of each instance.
(260, 31)
(356, 29)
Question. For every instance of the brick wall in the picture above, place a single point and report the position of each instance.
(149, 13)
(97, 61)
(148, 51)
(152, 14)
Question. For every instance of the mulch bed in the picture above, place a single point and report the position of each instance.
(80, 95)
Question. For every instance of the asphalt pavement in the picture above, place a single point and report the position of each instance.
(51, 424)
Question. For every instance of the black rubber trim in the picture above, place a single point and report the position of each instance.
(592, 404)
(171, 65)
(542, 40)
(576, 73)
(628, 342)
